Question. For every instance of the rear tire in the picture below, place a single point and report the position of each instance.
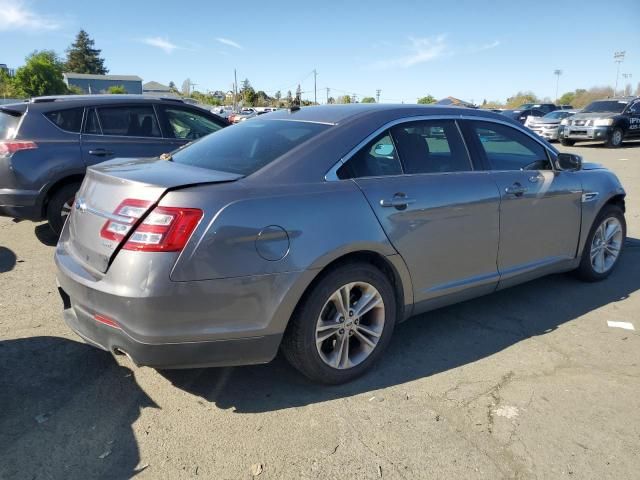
(329, 341)
(567, 143)
(59, 206)
(615, 138)
(598, 261)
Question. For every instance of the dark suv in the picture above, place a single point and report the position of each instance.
(46, 144)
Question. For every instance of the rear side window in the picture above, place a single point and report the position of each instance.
(69, 120)
(377, 159)
(187, 124)
(8, 124)
(130, 121)
(506, 148)
(249, 146)
(92, 125)
(433, 146)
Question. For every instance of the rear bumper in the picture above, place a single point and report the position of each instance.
(22, 204)
(167, 324)
(169, 355)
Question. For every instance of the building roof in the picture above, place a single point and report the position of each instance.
(155, 86)
(87, 76)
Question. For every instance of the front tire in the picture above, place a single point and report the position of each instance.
(343, 325)
(59, 206)
(615, 138)
(604, 244)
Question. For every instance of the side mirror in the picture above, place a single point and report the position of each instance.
(568, 162)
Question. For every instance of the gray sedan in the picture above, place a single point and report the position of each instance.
(317, 230)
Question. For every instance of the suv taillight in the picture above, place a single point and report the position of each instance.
(7, 147)
(165, 229)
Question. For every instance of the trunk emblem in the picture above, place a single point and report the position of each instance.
(81, 205)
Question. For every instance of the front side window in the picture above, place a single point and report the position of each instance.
(129, 121)
(432, 146)
(189, 125)
(248, 146)
(69, 120)
(506, 148)
(378, 158)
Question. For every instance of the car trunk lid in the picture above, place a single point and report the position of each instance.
(105, 188)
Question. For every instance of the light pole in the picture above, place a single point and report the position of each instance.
(626, 77)
(618, 57)
(557, 73)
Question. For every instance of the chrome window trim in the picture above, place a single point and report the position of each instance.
(332, 173)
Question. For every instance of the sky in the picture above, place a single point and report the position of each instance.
(473, 50)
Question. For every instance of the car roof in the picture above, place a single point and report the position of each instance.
(336, 114)
(80, 100)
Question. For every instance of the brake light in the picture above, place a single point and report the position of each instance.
(165, 229)
(7, 147)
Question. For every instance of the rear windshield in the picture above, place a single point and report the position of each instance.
(8, 124)
(249, 146)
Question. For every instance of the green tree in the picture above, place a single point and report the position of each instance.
(116, 89)
(83, 58)
(41, 75)
(298, 98)
(331, 100)
(8, 87)
(368, 100)
(247, 93)
(344, 99)
(426, 100)
(520, 98)
(567, 98)
(173, 88)
(289, 97)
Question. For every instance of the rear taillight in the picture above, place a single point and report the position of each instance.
(165, 229)
(7, 147)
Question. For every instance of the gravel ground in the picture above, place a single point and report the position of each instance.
(526, 383)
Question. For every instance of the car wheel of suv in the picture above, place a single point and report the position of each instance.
(615, 139)
(343, 325)
(59, 206)
(604, 244)
(567, 143)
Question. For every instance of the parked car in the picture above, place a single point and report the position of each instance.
(47, 143)
(268, 235)
(547, 127)
(244, 114)
(610, 121)
(522, 115)
(543, 107)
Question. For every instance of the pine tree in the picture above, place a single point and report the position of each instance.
(83, 58)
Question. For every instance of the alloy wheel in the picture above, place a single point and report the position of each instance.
(606, 245)
(350, 325)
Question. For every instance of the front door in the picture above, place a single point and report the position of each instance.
(540, 208)
(439, 214)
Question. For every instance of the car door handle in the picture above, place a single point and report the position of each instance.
(536, 178)
(515, 189)
(398, 201)
(100, 152)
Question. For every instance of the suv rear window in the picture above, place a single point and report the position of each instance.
(248, 146)
(69, 119)
(8, 124)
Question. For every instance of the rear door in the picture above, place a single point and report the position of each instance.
(540, 208)
(440, 214)
(129, 131)
(633, 111)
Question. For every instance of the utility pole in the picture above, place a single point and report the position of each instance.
(235, 90)
(626, 77)
(378, 96)
(315, 90)
(327, 95)
(618, 57)
(557, 73)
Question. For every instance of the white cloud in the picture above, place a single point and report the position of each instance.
(421, 50)
(230, 43)
(16, 15)
(161, 43)
(486, 46)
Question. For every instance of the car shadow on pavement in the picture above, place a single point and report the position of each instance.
(66, 411)
(427, 344)
(45, 235)
(7, 259)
